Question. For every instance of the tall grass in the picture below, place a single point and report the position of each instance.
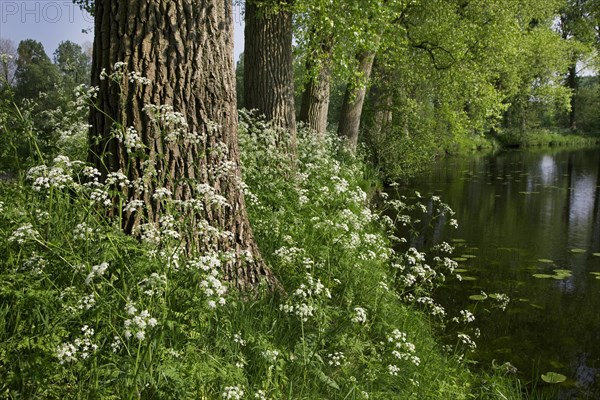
(89, 312)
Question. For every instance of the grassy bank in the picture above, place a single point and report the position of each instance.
(545, 137)
(88, 312)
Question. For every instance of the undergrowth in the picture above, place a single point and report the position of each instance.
(89, 312)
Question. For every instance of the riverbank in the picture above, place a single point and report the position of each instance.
(510, 139)
(89, 312)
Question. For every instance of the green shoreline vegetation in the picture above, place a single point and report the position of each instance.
(89, 312)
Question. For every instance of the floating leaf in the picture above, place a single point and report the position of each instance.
(542, 276)
(469, 278)
(596, 254)
(553, 377)
(458, 240)
(536, 306)
(577, 251)
(545, 260)
(595, 273)
(468, 256)
(477, 297)
(460, 270)
(459, 259)
(562, 271)
(527, 193)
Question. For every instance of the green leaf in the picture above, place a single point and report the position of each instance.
(477, 297)
(577, 251)
(542, 276)
(553, 377)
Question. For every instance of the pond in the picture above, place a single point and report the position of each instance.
(529, 225)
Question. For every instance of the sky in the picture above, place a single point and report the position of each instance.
(51, 22)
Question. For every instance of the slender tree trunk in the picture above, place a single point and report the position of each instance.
(572, 84)
(315, 98)
(354, 97)
(186, 143)
(268, 69)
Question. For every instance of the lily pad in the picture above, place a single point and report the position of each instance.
(542, 276)
(468, 256)
(545, 260)
(460, 270)
(553, 377)
(458, 240)
(595, 273)
(527, 193)
(562, 271)
(577, 251)
(596, 254)
(469, 278)
(477, 297)
(459, 259)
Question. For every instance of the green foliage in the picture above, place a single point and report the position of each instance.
(88, 312)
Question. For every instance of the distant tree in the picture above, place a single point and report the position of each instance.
(8, 52)
(35, 73)
(73, 64)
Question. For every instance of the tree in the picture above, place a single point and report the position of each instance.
(268, 68)
(73, 64)
(174, 132)
(35, 73)
(576, 25)
(8, 54)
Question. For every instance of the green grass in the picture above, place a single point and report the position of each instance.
(545, 137)
(89, 312)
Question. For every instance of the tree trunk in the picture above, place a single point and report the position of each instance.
(353, 101)
(187, 142)
(315, 98)
(572, 84)
(268, 69)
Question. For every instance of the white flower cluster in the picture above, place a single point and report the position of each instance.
(271, 356)
(466, 340)
(336, 359)
(360, 315)
(137, 77)
(35, 264)
(237, 338)
(172, 124)
(467, 316)
(502, 300)
(154, 285)
(402, 348)
(23, 234)
(82, 231)
(80, 347)
(59, 176)
(86, 302)
(214, 289)
(211, 195)
(233, 393)
(97, 270)
(130, 139)
(1, 207)
(137, 324)
(305, 297)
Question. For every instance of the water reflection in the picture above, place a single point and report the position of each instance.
(515, 210)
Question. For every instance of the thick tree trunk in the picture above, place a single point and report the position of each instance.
(268, 69)
(572, 84)
(315, 98)
(353, 102)
(186, 121)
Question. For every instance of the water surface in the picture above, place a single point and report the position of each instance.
(523, 215)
